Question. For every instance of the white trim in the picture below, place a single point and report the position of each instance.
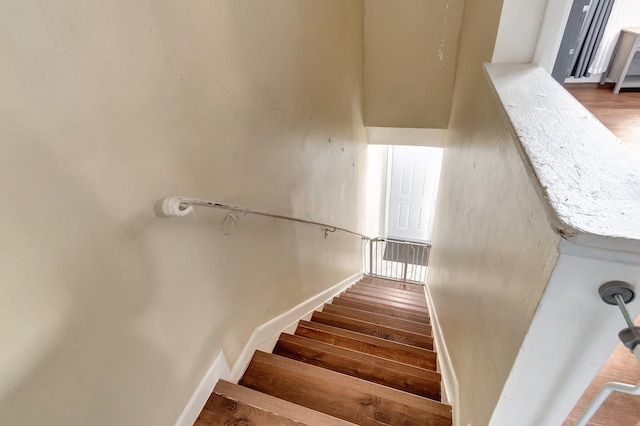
(593, 78)
(218, 370)
(264, 338)
(273, 328)
(406, 136)
(445, 366)
(387, 192)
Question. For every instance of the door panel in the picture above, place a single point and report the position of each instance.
(413, 185)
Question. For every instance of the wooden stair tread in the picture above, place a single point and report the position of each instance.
(391, 291)
(389, 333)
(417, 301)
(388, 349)
(366, 359)
(339, 395)
(357, 364)
(381, 304)
(222, 411)
(382, 310)
(381, 282)
(409, 352)
(375, 300)
(232, 404)
(387, 298)
(398, 323)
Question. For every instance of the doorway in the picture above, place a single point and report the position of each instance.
(412, 189)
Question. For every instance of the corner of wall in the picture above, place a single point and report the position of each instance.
(263, 338)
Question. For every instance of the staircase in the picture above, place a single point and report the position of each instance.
(366, 359)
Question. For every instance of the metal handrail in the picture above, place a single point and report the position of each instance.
(181, 206)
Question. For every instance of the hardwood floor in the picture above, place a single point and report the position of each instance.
(619, 113)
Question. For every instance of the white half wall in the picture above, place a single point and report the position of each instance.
(588, 183)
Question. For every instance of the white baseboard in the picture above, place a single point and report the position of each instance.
(218, 370)
(449, 380)
(272, 329)
(264, 338)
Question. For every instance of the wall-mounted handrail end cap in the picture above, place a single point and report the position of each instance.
(609, 289)
(171, 207)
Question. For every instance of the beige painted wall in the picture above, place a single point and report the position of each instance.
(111, 315)
(493, 248)
(410, 51)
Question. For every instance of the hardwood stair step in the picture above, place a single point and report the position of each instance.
(391, 295)
(339, 395)
(394, 351)
(400, 376)
(391, 291)
(398, 323)
(222, 411)
(381, 282)
(388, 311)
(423, 312)
(231, 404)
(384, 332)
(385, 303)
(397, 299)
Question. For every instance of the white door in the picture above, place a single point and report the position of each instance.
(412, 192)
